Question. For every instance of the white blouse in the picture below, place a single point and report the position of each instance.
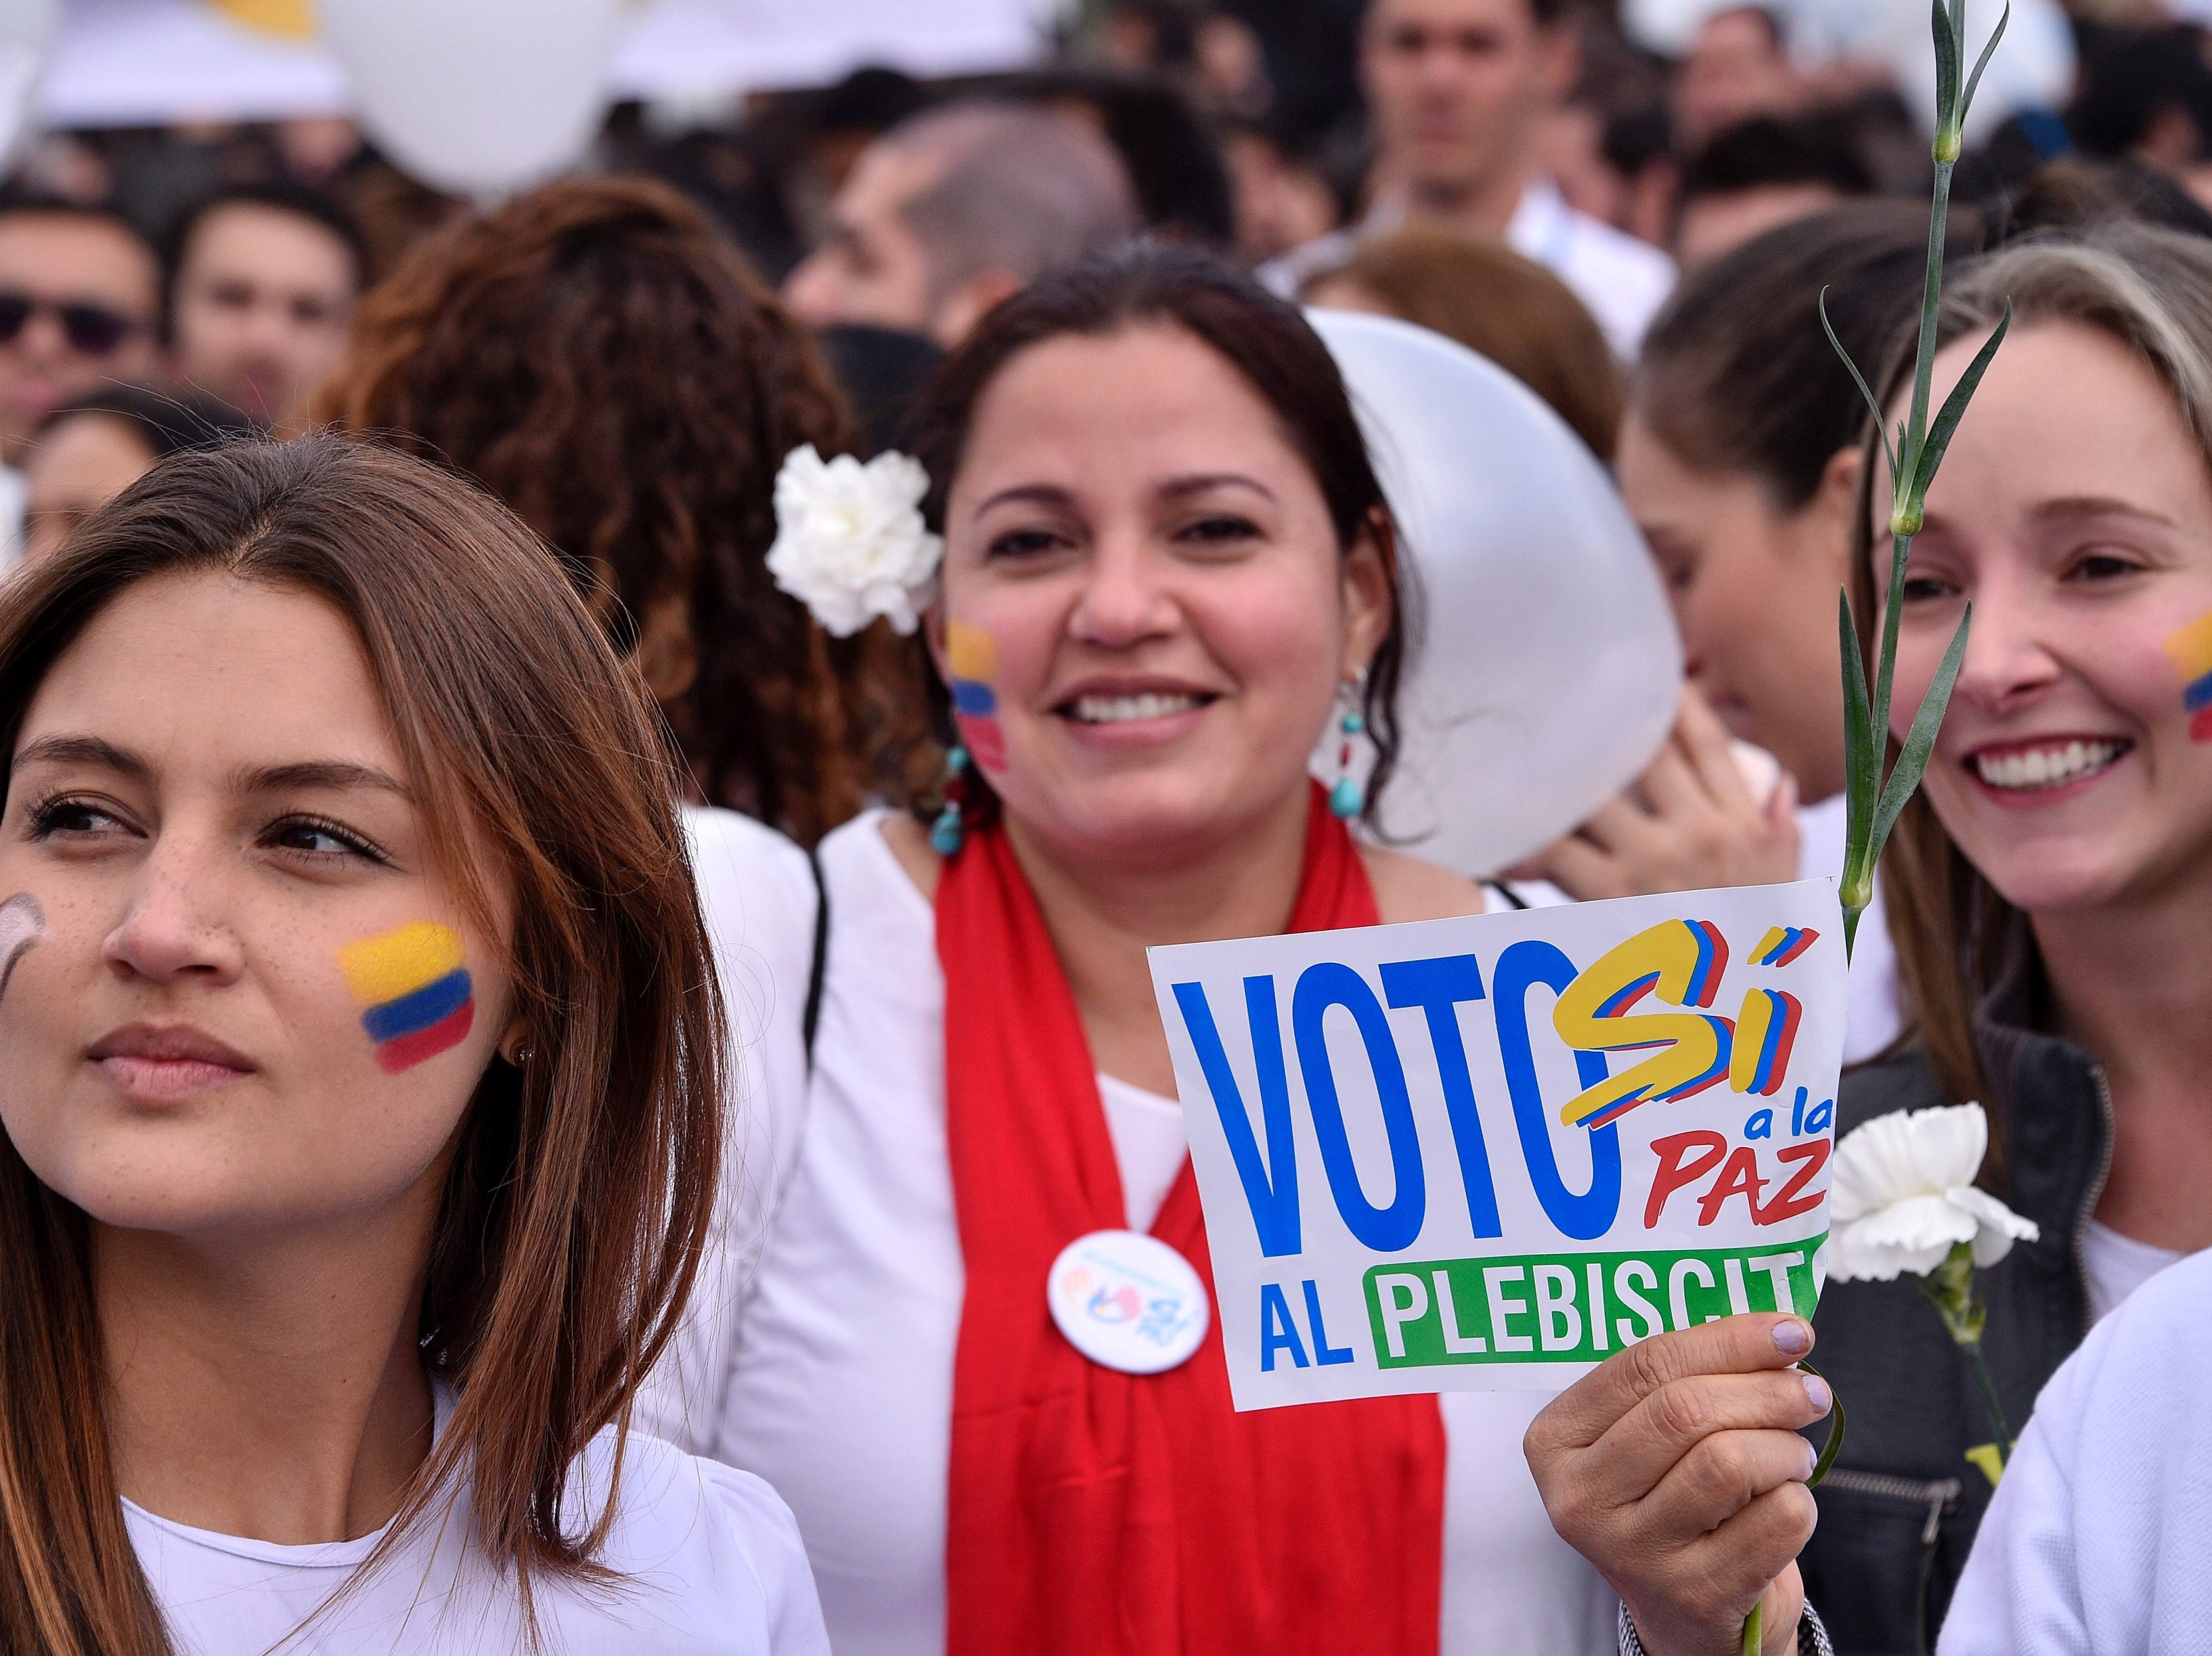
(829, 1371)
(711, 1560)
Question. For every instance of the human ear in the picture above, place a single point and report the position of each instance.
(1835, 503)
(1371, 598)
(968, 304)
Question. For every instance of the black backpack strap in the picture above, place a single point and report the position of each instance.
(821, 965)
(1498, 886)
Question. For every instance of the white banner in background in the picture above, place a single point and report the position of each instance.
(132, 63)
(1422, 1171)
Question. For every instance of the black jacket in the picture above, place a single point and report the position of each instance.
(1899, 1512)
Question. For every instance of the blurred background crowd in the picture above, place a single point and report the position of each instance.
(196, 204)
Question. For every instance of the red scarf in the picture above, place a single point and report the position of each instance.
(1098, 1513)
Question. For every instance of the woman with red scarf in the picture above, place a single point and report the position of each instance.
(1168, 572)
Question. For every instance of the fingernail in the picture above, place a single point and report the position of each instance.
(1792, 1336)
(1816, 1393)
(1812, 1459)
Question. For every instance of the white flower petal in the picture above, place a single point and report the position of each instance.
(1999, 1227)
(850, 540)
(1915, 1153)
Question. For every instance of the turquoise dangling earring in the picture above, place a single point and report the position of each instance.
(1347, 799)
(950, 832)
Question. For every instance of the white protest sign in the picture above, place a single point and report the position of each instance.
(1485, 1154)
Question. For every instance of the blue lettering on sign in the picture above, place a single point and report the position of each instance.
(1271, 1187)
(1278, 1332)
(1322, 1349)
(1330, 984)
(1438, 986)
(1591, 1214)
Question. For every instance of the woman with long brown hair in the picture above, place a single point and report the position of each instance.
(599, 357)
(363, 1093)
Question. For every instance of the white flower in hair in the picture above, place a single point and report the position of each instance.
(850, 543)
(1904, 1197)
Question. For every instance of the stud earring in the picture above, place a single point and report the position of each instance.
(950, 832)
(521, 1058)
(1348, 798)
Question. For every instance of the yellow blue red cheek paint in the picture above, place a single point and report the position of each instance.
(972, 657)
(2191, 651)
(414, 990)
(22, 923)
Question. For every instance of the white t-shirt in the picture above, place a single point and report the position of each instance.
(2098, 1542)
(2117, 1265)
(711, 1560)
(1622, 281)
(832, 1377)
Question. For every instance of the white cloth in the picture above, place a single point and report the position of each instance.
(2117, 1265)
(1620, 281)
(1623, 281)
(14, 496)
(2098, 1542)
(1872, 1017)
(759, 898)
(838, 1375)
(711, 1559)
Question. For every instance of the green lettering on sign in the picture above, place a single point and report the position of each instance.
(1573, 1308)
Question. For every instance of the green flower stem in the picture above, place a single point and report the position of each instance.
(1989, 1402)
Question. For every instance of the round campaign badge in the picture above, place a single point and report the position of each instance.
(1128, 1302)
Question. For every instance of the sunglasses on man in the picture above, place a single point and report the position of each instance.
(91, 330)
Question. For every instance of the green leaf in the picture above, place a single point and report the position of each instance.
(1954, 408)
(1947, 55)
(1865, 390)
(1920, 740)
(1988, 51)
(1834, 1446)
(1862, 746)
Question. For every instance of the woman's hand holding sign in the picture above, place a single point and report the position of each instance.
(1677, 1468)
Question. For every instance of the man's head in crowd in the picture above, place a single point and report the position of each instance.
(80, 300)
(1457, 91)
(1736, 67)
(1764, 172)
(956, 209)
(263, 282)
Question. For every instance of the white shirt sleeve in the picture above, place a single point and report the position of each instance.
(2100, 1540)
(761, 904)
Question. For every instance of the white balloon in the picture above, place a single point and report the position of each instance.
(477, 97)
(1546, 665)
(26, 27)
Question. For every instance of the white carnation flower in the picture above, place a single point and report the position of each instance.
(850, 543)
(1903, 1196)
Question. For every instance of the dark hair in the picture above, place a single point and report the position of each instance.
(1265, 338)
(276, 195)
(167, 422)
(581, 1190)
(1736, 373)
(598, 355)
(1772, 150)
(2137, 77)
(2074, 193)
(17, 200)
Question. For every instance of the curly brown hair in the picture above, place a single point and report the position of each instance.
(601, 358)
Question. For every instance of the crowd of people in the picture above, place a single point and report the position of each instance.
(546, 1064)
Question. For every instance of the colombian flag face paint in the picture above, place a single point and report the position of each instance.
(415, 992)
(2191, 650)
(973, 661)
